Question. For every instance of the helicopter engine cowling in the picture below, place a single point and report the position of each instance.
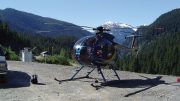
(93, 50)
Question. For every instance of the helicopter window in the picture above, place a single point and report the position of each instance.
(90, 42)
(84, 41)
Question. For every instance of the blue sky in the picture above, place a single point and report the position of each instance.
(96, 12)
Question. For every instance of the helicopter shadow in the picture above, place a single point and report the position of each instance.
(145, 84)
(15, 79)
(136, 83)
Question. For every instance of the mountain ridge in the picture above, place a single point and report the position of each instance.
(24, 22)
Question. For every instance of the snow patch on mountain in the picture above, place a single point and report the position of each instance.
(119, 30)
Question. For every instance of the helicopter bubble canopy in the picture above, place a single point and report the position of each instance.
(92, 50)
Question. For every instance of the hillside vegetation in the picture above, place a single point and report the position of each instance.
(159, 54)
(13, 42)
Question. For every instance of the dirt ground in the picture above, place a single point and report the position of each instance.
(131, 87)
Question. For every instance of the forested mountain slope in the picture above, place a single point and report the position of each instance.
(28, 23)
(159, 51)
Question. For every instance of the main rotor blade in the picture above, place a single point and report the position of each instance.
(87, 27)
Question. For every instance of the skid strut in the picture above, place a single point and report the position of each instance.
(100, 71)
(73, 77)
(105, 83)
(88, 73)
(114, 69)
(77, 71)
(111, 67)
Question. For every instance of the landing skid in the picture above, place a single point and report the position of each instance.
(73, 77)
(97, 86)
(105, 83)
(61, 81)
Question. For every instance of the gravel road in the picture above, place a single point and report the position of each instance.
(132, 87)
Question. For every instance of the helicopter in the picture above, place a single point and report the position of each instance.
(98, 51)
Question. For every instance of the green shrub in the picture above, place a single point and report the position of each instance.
(55, 59)
(10, 55)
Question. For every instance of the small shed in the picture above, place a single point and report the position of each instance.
(26, 55)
